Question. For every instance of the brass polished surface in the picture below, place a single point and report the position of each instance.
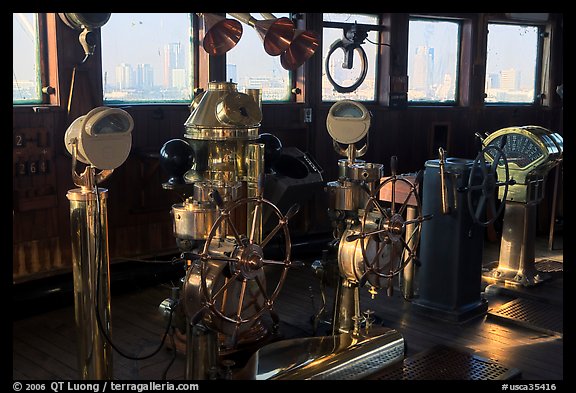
(365, 172)
(302, 47)
(221, 34)
(276, 33)
(91, 273)
(345, 356)
(226, 297)
(535, 151)
(516, 260)
(223, 113)
(531, 152)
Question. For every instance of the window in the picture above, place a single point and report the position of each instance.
(511, 63)
(248, 65)
(433, 57)
(344, 77)
(27, 84)
(147, 58)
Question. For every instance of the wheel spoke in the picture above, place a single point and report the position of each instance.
(241, 301)
(414, 221)
(412, 235)
(257, 210)
(234, 231)
(405, 245)
(275, 263)
(483, 165)
(226, 285)
(405, 203)
(476, 187)
(272, 233)
(383, 212)
(219, 258)
(393, 196)
(379, 251)
(263, 291)
(234, 336)
(363, 235)
(393, 256)
(480, 207)
(496, 160)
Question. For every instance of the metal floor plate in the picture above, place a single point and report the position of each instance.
(445, 363)
(543, 317)
(549, 266)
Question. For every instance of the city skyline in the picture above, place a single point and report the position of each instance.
(129, 50)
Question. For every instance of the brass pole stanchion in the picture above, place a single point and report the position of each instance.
(91, 269)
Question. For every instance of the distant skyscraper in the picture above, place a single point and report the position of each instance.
(179, 78)
(124, 76)
(173, 59)
(423, 77)
(144, 76)
(510, 79)
(493, 81)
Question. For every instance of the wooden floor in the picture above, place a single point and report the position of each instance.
(44, 346)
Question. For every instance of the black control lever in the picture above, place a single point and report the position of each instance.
(217, 198)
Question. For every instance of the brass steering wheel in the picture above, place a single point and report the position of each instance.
(393, 252)
(244, 263)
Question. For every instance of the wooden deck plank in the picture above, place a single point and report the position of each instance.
(49, 367)
(49, 352)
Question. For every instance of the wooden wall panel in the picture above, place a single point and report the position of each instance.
(138, 207)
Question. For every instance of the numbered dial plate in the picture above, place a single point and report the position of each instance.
(520, 150)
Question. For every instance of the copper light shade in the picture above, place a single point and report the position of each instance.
(221, 34)
(276, 34)
(302, 47)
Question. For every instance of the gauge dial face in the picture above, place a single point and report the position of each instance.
(111, 124)
(350, 111)
(348, 121)
(519, 149)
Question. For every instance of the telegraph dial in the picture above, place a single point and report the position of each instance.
(531, 152)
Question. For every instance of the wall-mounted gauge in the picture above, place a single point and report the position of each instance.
(348, 121)
(103, 137)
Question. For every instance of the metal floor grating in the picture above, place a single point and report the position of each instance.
(445, 363)
(549, 266)
(544, 317)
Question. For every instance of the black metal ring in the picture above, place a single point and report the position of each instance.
(364, 61)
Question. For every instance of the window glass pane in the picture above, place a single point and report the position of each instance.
(251, 67)
(147, 58)
(511, 63)
(433, 52)
(26, 67)
(347, 77)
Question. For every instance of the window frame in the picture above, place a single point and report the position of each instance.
(291, 96)
(194, 60)
(44, 62)
(540, 58)
(378, 77)
(461, 55)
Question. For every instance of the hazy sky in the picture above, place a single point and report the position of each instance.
(148, 32)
